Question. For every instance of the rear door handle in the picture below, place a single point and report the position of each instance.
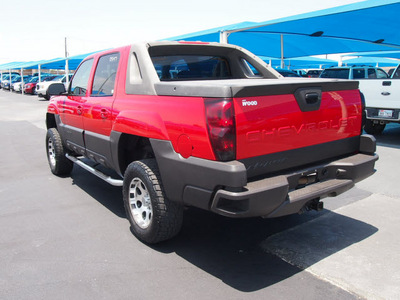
(79, 110)
(385, 93)
(104, 113)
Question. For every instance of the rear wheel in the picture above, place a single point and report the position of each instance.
(153, 217)
(374, 128)
(59, 164)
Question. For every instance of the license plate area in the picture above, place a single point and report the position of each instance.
(385, 113)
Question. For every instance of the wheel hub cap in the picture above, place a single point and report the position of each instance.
(140, 203)
(51, 152)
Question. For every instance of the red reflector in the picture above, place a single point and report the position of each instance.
(220, 118)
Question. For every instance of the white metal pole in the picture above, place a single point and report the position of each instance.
(22, 81)
(282, 53)
(223, 37)
(66, 64)
(67, 72)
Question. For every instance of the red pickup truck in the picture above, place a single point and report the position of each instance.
(207, 125)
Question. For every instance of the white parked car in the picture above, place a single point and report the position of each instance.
(42, 87)
(16, 87)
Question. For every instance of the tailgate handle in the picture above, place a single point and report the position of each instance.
(309, 98)
(386, 83)
(312, 98)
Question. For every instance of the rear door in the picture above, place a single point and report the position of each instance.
(98, 108)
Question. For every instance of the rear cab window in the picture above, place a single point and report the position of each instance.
(250, 70)
(189, 67)
(194, 62)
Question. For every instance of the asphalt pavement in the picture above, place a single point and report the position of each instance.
(68, 238)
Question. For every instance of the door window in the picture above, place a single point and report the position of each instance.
(371, 74)
(104, 78)
(381, 74)
(80, 81)
(358, 73)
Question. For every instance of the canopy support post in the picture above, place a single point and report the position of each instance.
(282, 53)
(9, 72)
(66, 72)
(223, 37)
(22, 81)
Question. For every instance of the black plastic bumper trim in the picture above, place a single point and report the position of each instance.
(278, 196)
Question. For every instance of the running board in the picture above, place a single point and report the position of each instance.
(108, 179)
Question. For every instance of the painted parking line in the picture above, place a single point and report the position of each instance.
(355, 247)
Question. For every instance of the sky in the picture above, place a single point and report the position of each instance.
(36, 30)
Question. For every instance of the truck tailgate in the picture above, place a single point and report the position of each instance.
(283, 117)
(381, 93)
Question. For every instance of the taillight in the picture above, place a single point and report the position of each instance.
(364, 111)
(220, 117)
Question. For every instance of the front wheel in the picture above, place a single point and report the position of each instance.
(374, 128)
(153, 217)
(59, 164)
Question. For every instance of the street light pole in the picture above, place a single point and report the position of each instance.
(66, 63)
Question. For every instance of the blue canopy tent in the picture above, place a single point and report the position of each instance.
(301, 62)
(365, 26)
(360, 27)
(387, 54)
(10, 65)
(60, 63)
(69, 63)
(371, 61)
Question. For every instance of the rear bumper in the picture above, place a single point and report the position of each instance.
(224, 188)
(373, 113)
(287, 194)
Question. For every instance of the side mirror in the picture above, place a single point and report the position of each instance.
(56, 89)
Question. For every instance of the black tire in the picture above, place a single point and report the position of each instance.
(59, 164)
(152, 216)
(46, 96)
(373, 128)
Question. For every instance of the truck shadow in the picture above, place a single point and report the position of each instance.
(107, 195)
(239, 252)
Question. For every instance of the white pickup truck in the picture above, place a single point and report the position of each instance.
(381, 93)
(42, 87)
